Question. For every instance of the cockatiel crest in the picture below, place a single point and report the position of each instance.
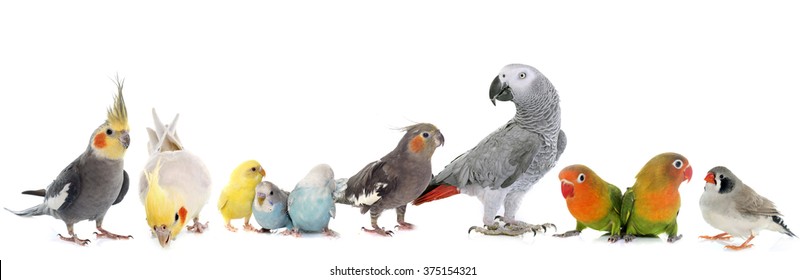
(112, 138)
(165, 215)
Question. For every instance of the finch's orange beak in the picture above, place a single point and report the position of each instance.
(710, 178)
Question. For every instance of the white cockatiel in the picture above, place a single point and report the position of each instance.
(733, 207)
(175, 184)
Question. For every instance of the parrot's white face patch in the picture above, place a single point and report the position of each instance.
(57, 201)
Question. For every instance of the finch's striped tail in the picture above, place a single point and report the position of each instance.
(779, 221)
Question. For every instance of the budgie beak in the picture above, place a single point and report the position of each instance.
(688, 173)
(262, 172)
(261, 197)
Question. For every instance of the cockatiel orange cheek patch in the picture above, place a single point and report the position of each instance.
(99, 141)
(417, 144)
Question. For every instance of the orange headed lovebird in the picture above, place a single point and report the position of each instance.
(594, 203)
(651, 206)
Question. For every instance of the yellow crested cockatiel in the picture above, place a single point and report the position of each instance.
(175, 184)
(94, 181)
(237, 196)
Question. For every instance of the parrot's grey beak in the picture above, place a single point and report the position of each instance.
(125, 139)
(164, 236)
(440, 139)
(499, 91)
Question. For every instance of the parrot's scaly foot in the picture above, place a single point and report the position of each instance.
(378, 230)
(613, 238)
(106, 234)
(249, 227)
(198, 227)
(509, 229)
(404, 226)
(231, 228)
(568, 233)
(720, 236)
(628, 238)
(523, 226)
(75, 239)
(672, 239)
(330, 233)
(293, 231)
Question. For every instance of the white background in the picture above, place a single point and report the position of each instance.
(294, 85)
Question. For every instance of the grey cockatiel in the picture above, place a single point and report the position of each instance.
(94, 181)
(175, 184)
(733, 207)
(396, 179)
(504, 166)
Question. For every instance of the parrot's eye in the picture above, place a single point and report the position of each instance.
(109, 131)
(581, 178)
(503, 75)
(522, 75)
(164, 227)
(254, 169)
(425, 134)
(678, 164)
(271, 193)
(176, 217)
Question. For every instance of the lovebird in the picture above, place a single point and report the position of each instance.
(270, 207)
(733, 207)
(94, 181)
(396, 179)
(236, 198)
(505, 165)
(594, 203)
(311, 203)
(651, 205)
(174, 186)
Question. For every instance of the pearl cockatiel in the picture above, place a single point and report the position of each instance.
(396, 179)
(594, 203)
(94, 181)
(503, 167)
(733, 207)
(175, 184)
(651, 205)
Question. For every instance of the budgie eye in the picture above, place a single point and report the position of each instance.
(254, 169)
(678, 164)
(581, 178)
(271, 193)
(522, 75)
(109, 131)
(425, 134)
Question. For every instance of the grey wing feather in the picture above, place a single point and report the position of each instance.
(367, 180)
(70, 175)
(749, 202)
(123, 189)
(496, 162)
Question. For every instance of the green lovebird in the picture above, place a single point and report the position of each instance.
(594, 203)
(651, 206)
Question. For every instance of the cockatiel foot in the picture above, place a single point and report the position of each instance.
(231, 228)
(672, 239)
(404, 226)
(198, 227)
(249, 227)
(721, 236)
(379, 231)
(106, 234)
(614, 238)
(75, 239)
(568, 233)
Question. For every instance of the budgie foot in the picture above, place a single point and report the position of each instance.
(568, 233)
(106, 234)
(197, 226)
(75, 239)
(249, 227)
(674, 238)
(613, 238)
(720, 236)
(264, 230)
(294, 231)
(330, 233)
(745, 245)
(231, 228)
(378, 230)
(404, 226)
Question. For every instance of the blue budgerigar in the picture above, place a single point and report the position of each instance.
(270, 207)
(311, 203)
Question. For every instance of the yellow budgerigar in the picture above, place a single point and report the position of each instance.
(236, 198)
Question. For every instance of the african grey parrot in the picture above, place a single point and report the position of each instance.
(504, 166)
(394, 180)
(94, 181)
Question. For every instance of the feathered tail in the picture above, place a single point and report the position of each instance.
(779, 221)
(340, 194)
(37, 210)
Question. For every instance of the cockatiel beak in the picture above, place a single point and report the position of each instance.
(499, 91)
(439, 139)
(568, 189)
(163, 235)
(125, 139)
(688, 173)
(261, 197)
(710, 178)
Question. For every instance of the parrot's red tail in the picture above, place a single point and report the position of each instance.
(435, 193)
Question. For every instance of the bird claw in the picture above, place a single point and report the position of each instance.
(75, 239)
(613, 238)
(330, 233)
(722, 236)
(568, 234)
(105, 234)
(231, 228)
(628, 238)
(379, 231)
(249, 227)
(674, 238)
(404, 226)
(198, 227)
(739, 247)
(264, 230)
